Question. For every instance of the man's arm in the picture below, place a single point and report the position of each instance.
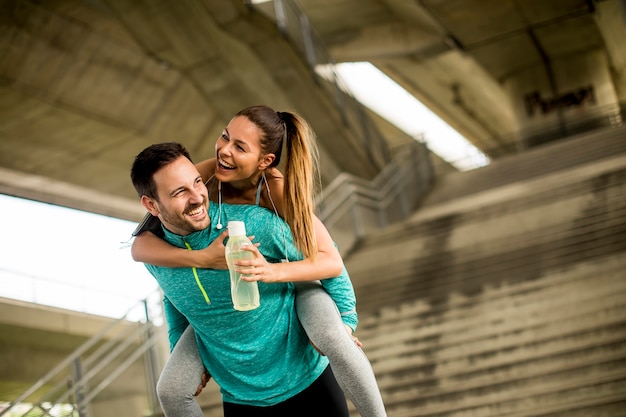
(176, 322)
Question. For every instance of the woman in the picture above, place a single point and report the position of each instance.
(245, 172)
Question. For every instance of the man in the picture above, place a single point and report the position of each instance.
(260, 358)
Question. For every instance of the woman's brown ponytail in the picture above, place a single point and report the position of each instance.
(301, 182)
(301, 169)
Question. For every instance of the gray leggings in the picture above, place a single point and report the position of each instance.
(321, 321)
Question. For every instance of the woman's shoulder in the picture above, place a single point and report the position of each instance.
(275, 180)
(274, 175)
(276, 184)
(207, 168)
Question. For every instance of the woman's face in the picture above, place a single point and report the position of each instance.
(238, 151)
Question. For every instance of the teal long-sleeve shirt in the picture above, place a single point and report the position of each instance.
(259, 357)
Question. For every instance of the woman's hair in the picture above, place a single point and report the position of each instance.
(301, 168)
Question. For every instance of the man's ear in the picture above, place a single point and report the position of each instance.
(150, 205)
(266, 161)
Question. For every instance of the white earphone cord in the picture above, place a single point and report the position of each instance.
(269, 194)
(218, 226)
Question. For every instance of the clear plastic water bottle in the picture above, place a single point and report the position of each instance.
(245, 294)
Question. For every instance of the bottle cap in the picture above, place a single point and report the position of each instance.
(236, 228)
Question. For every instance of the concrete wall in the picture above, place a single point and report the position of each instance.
(572, 88)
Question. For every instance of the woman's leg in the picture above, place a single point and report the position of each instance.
(321, 320)
(180, 379)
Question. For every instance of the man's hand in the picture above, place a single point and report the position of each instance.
(214, 255)
(354, 338)
(316, 348)
(205, 378)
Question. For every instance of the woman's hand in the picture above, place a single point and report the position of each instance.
(257, 269)
(205, 378)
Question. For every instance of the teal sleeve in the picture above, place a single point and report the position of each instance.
(341, 291)
(176, 322)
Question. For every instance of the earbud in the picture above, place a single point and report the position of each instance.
(218, 226)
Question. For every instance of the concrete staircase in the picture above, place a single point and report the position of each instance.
(510, 299)
(555, 346)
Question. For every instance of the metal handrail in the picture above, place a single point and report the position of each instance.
(149, 343)
(109, 351)
(114, 354)
(404, 181)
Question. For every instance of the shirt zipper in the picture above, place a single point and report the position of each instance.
(195, 274)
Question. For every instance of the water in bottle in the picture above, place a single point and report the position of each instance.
(245, 294)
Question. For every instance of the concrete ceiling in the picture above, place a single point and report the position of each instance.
(472, 61)
(86, 84)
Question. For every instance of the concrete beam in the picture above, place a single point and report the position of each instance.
(48, 190)
(388, 40)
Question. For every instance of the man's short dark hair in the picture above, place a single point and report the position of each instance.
(149, 161)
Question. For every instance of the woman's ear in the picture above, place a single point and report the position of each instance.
(150, 205)
(266, 161)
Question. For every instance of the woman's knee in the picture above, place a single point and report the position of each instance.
(170, 391)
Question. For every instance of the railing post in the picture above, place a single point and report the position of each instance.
(402, 191)
(79, 388)
(150, 364)
(383, 216)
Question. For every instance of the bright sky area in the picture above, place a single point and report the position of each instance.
(66, 258)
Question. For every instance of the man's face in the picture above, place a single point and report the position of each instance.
(182, 204)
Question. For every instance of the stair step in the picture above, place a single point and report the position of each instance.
(428, 378)
(454, 328)
(391, 316)
(468, 272)
(538, 399)
(540, 161)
